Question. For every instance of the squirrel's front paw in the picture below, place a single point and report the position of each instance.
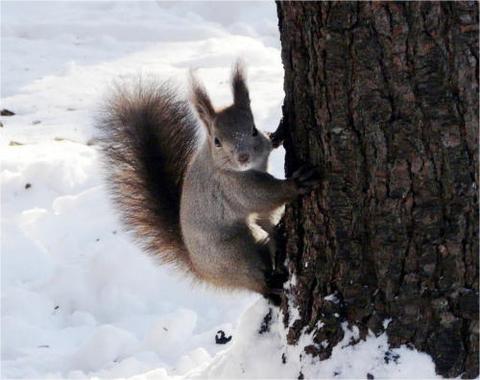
(307, 178)
(275, 138)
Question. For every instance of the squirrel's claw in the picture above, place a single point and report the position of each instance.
(275, 139)
(307, 177)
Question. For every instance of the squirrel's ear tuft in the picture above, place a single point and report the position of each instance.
(201, 102)
(239, 85)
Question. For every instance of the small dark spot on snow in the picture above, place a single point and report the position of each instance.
(43, 346)
(35, 122)
(165, 328)
(265, 326)
(28, 186)
(56, 307)
(15, 143)
(300, 376)
(71, 109)
(6, 112)
(370, 376)
(335, 373)
(97, 239)
(220, 338)
(114, 232)
(390, 356)
(284, 358)
(1, 124)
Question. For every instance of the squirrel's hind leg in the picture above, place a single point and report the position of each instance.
(238, 262)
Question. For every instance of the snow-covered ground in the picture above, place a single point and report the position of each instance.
(78, 298)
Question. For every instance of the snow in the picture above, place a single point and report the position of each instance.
(267, 355)
(79, 300)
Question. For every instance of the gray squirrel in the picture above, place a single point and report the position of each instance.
(192, 202)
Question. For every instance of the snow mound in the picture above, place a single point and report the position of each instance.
(260, 350)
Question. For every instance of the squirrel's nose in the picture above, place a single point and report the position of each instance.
(243, 158)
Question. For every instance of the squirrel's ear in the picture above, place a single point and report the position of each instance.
(239, 85)
(201, 102)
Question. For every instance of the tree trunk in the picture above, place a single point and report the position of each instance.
(383, 97)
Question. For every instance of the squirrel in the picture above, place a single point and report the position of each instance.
(189, 201)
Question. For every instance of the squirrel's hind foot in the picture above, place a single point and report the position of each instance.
(274, 299)
(275, 281)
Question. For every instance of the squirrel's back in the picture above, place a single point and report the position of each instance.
(149, 137)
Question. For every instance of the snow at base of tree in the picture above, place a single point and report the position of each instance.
(78, 298)
(257, 354)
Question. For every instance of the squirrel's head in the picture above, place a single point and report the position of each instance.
(234, 140)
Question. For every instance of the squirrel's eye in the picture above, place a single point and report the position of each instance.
(255, 132)
(217, 142)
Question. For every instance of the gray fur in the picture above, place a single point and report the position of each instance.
(220, 194)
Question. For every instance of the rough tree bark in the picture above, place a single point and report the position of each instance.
(383, 97)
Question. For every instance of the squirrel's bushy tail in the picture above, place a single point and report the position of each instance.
(149, 136)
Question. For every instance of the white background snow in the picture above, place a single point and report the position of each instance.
(78, 298)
